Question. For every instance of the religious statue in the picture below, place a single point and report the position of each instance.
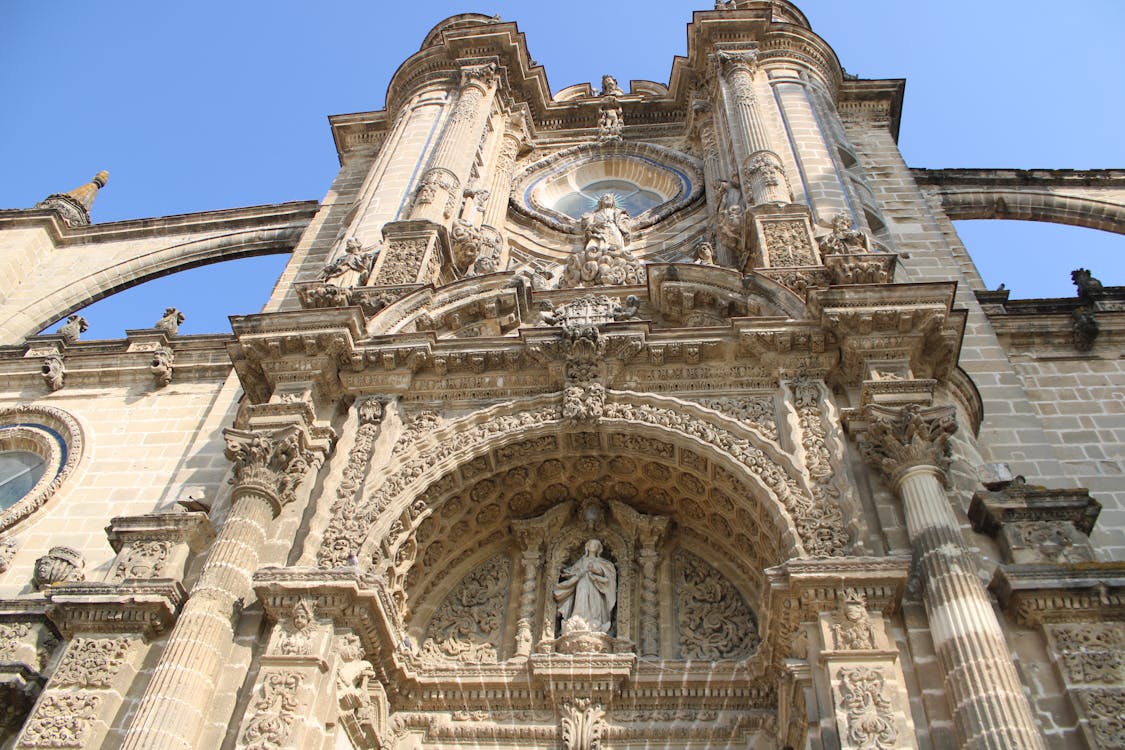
(610, 87)
(604, 260)
(730, 211)
(842, 239)
(704, 254)
(587, 593)
(610, 125)
(350, 269)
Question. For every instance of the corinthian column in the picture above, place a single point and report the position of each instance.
(439, 189)
(909, 446)
(760, 167)
(267, 469)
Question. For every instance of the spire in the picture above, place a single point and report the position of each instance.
(74, 206)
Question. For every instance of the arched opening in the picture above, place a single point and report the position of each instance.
(1034, 259)
(206, 294)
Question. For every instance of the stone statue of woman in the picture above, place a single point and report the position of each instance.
(587, 592)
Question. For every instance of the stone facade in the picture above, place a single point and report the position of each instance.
(675, 415)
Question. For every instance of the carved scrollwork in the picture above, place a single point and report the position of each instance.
(275, 710)
(468, 626)
(91, 662)
(1091, 653)
(714, 621)
(868, 709)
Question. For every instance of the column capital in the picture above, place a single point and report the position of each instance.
(729, 61)
(482, 76)
(896, 441)
(270, 462)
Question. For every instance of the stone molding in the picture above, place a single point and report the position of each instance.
(62, 449)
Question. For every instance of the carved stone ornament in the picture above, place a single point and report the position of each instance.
(583, 725)
(787, 243)
(275, 710)
(143, 559)
(604, 260)
(53, 371)
(714, 621)
(611, 122)
(170, 322)
(843, 239)
(468, 626)
(61, 720)
(610, 87)
(583, 393)
(73, 328)
(349, 269)
(273, 463)
(476, 250)
(897, 440)
(161, 366)
(91, 662)
(587, 593)
(1103, 710)
(440, 179)
(851, 626)
(59, 565)
(868, 709)
(295, 636)
(402, 261)
(352, 676)
(8, 547)
(1091, 653)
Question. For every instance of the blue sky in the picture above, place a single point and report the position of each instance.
(208, 105)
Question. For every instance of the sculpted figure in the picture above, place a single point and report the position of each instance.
(604, 261)
(588, 589)
(350, 269)
(610, 87)
(170, 321)
(610, 125)
(842, 239)
(730, 211)
(704, 254)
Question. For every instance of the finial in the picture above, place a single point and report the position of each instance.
(74, 206)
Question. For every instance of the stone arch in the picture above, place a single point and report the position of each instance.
(433, 464)
(74, 292)
(1034, 206)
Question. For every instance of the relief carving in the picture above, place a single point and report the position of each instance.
(161, 366)
(91, 662)
(53, 371)
(583, 725)
(8, 547)
(1091, 653)
(350, 269)
(868, 709)
(843, 239)
(275, 710)
(1105, 709)
(714, 621)
(295, 637)
(274, 463)
(787, 243)
(61, 720)
(403, 262)
(468, 626)
(142, 560)
(852, 630)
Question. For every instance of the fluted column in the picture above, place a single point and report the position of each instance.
(990, 711)
(760, 168)
(439, 189)
(267, 469)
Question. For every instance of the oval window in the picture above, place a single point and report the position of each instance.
(20, 471)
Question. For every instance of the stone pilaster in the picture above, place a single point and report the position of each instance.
(763, 175)
(268, 467)
(531, 559)
(909, 446)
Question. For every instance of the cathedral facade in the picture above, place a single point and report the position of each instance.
(632, 416)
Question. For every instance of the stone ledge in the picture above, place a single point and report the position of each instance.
(145, 607)
(1037, 594)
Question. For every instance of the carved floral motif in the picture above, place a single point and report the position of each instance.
(1091, 653)
(61, 720)
(897, 440)
(1105, 710)
(468, 626)
(787, 243)
(402, 261)
(757, 411)
(275, 709)
(714, 621)
(91, 662)
(275, 463)
(868, 709)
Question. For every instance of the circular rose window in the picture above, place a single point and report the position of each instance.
(649, 182)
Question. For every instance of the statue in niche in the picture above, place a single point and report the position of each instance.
(587, 593)
(730, 210)
(350, 269)
(604, 260)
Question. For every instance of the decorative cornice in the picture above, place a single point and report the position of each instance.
(145, 607)
(1037, 594)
